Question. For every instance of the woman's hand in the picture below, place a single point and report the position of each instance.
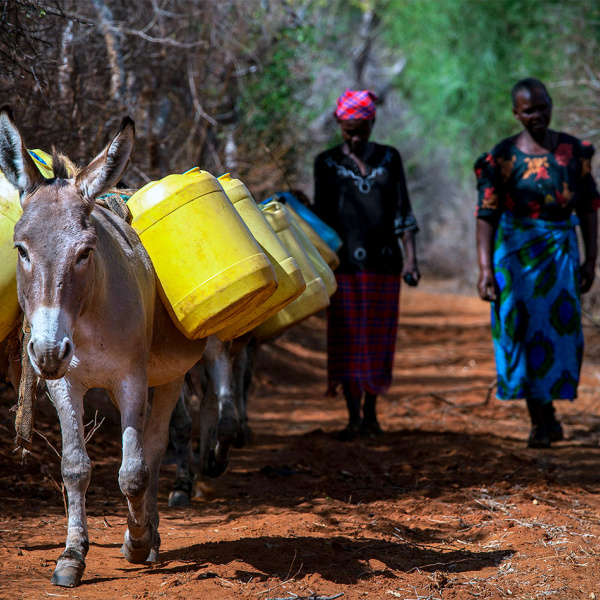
(486, 286)
(411, 274)
(586, 274)
(410, 270)
(589, 232)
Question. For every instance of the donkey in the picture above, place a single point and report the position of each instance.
(88, 288)
(226, 379)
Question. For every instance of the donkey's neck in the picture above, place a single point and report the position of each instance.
(103, 257)
(124, 272)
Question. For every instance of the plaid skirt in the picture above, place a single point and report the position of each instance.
(362, 324)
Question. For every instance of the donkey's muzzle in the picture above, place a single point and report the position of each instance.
(50, 362)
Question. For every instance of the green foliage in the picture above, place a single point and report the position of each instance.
(274, 97)
(463, 58)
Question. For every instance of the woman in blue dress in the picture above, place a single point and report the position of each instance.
(534, 189)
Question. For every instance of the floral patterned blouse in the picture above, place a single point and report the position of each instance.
(541, 186)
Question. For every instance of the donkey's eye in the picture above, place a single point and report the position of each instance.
(84, 255)
(22, 252)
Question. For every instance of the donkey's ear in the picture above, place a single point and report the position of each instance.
(104, 172)
(15, 162)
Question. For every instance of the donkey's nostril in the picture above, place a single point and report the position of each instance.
(31, 349)
(50, 360)
(66, 350)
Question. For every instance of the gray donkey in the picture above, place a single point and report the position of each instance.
(88, 289)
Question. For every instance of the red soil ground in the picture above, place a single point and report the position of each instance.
(447, 504)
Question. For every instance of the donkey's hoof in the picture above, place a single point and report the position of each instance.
(66, 576)
(179, 499)
(204, 491)
(136, 551)
(153, 556)
(214, 467)
(69, 570)
(228, 424)
(182, 492)
(135, 556)
(243, 437)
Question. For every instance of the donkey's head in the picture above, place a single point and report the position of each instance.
(56, 239)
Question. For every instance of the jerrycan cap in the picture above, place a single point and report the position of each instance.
(193, 171)
(276, 214)
(235, 188)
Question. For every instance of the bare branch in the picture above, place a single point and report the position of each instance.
(162, 41)
(48, 442)
(311, 597)
(115, 58)
(438, 395)
(199, 110)
(95, 428)
(61, 489)
(64, 68)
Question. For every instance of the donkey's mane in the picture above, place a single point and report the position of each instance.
(63, 166)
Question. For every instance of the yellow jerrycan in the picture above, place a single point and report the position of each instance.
(289, 276)
(322, 268)
(210, 269)
(10, 213)
(313, 299)
(328, 255)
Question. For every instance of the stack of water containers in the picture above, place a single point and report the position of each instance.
(224, 264)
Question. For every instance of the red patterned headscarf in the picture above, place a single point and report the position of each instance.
(356, 104)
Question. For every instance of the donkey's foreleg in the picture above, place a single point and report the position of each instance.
(156, 438)
(132, 398)
(180, 434)
(242, 378)
(218, 365)
(209, 418)
(76, 471)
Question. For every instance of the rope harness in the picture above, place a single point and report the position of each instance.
(27, 396)
(117, 204)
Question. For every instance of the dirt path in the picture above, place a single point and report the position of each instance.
(449, 503)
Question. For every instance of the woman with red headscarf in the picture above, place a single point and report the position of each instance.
(360, 191)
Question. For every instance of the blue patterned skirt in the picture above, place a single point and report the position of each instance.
(536, 322)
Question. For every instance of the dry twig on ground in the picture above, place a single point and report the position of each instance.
(95, 427)
(311, 597)
(438, 395)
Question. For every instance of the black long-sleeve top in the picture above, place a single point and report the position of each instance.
(368, 212)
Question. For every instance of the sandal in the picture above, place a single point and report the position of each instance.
(371, 429)
(538, 437)
(553, 426)
(349, 432)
